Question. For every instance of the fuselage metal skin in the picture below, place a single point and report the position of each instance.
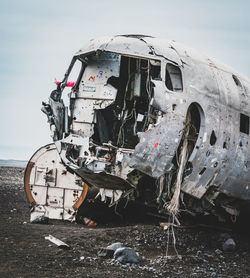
(217, 96)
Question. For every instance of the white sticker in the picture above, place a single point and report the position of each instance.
(89, 89)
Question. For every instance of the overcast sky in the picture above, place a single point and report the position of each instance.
(39, 38)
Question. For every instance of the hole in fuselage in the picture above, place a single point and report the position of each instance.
(202, 171)
(213, 138)
(131, 111)
(196, 116)
(195, 124)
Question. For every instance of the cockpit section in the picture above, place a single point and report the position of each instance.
(110, 104)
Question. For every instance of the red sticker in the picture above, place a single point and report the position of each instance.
(156, 144)
(92, 77)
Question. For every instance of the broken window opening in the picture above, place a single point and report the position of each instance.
(155, 70)
(174, 106)
(244, 123)
(75, 76)
(196, 129)
(173, 78)
(131, 111)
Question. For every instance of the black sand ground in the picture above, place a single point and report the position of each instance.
(24, 252)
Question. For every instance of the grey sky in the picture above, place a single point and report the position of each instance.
(38, 39)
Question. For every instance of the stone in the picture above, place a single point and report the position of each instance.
(109, 251)
(126, 255)
(115, 246)
(105, 253)
(229, 245)
(218, 252)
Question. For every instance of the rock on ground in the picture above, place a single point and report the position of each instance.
(127, 255)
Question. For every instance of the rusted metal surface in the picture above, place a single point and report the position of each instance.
(27, 184)
(81, 198)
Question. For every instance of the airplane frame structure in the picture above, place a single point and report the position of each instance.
(135, 103)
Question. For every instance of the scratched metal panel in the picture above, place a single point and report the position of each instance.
(245, 96)
(94, 92)
(129, 46)
(188, 53)
(237, 183)
(70, 197)
(120, 45)
(98, 92)
(93, 45)
(55, 197)
(201, 87)
(154, 153)
(39, 194)
(163, 48)
(100, 67)
(54, 212)
(83, 111)
(40, 176)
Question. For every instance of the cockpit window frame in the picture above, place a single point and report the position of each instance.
(170, 78)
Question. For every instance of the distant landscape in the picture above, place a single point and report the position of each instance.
(13, 163)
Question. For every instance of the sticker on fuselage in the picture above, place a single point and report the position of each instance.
(89, 89)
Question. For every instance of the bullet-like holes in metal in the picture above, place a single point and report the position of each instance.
(202, 171)
(237, 81)
(225, 145)
(213, 138)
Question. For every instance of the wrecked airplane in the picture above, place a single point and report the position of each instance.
(144, 113)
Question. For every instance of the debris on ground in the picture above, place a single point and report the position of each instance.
(42, 219)
(89, 222)
(58, 242)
